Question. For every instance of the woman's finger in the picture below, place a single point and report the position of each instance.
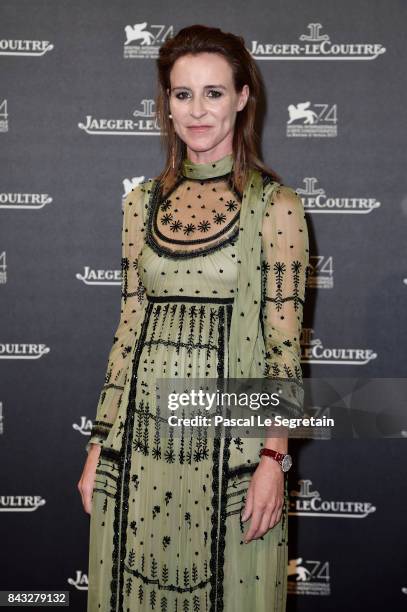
(248, 507)
(254, 523)
(263, 527)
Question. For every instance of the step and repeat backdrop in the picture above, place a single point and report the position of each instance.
(77, 132)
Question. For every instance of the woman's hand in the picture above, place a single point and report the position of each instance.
(87, 480)
(265, 498)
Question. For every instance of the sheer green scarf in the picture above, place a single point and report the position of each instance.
(246, 343)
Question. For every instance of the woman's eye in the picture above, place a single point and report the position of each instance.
(183, 95)
(180, 96)
(215, 91)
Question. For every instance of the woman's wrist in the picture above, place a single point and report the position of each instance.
(93, 446)
(278, 444)
(270, 463)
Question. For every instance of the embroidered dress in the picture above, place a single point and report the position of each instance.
(165, 527)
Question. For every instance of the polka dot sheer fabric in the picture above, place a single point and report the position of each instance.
(166, 530)
(196, 218)
(284, 267)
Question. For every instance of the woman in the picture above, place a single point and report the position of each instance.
(214, 260)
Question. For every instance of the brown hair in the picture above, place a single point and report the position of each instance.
(203, 39)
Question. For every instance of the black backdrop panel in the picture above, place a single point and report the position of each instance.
(69, 88)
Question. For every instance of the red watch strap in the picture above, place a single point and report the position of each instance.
(272, 453)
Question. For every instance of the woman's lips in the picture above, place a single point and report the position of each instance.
(199, 128)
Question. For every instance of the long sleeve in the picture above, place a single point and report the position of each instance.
(133, 302)
(285, 259)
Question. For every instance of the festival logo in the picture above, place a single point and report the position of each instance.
(308, 577)
(24, 48)
(143, 124)
(306, 120)
(92, 276)
(309, 502)
(80, 582)
(315, 46)
(29, 201)
(313, 351)
(21, 350)
(21, 503)
(320, 272)
(84, 427)
(144, 41)
(316, 200)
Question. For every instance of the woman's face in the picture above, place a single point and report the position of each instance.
(203, 94)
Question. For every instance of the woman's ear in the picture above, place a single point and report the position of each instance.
(244, 96)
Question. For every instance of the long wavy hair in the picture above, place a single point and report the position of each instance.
(203, 39)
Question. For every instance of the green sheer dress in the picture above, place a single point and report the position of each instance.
(165, 529)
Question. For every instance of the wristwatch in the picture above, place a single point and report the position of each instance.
(284, 460)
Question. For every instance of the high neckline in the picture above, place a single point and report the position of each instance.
(214, 169)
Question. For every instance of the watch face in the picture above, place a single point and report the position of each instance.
(286, 463)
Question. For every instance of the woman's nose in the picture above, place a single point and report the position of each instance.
(197, 106)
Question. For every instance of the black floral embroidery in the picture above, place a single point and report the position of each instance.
(125, 351)
(204, 226)
(296, 269)
(156, 511)
(189, 228)
(231, 205)
(219, 218)
(165, 219)
(176, 226)
(125, 268)
(166, 541)
(166, 205)
(227, 233)
(279, 270)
